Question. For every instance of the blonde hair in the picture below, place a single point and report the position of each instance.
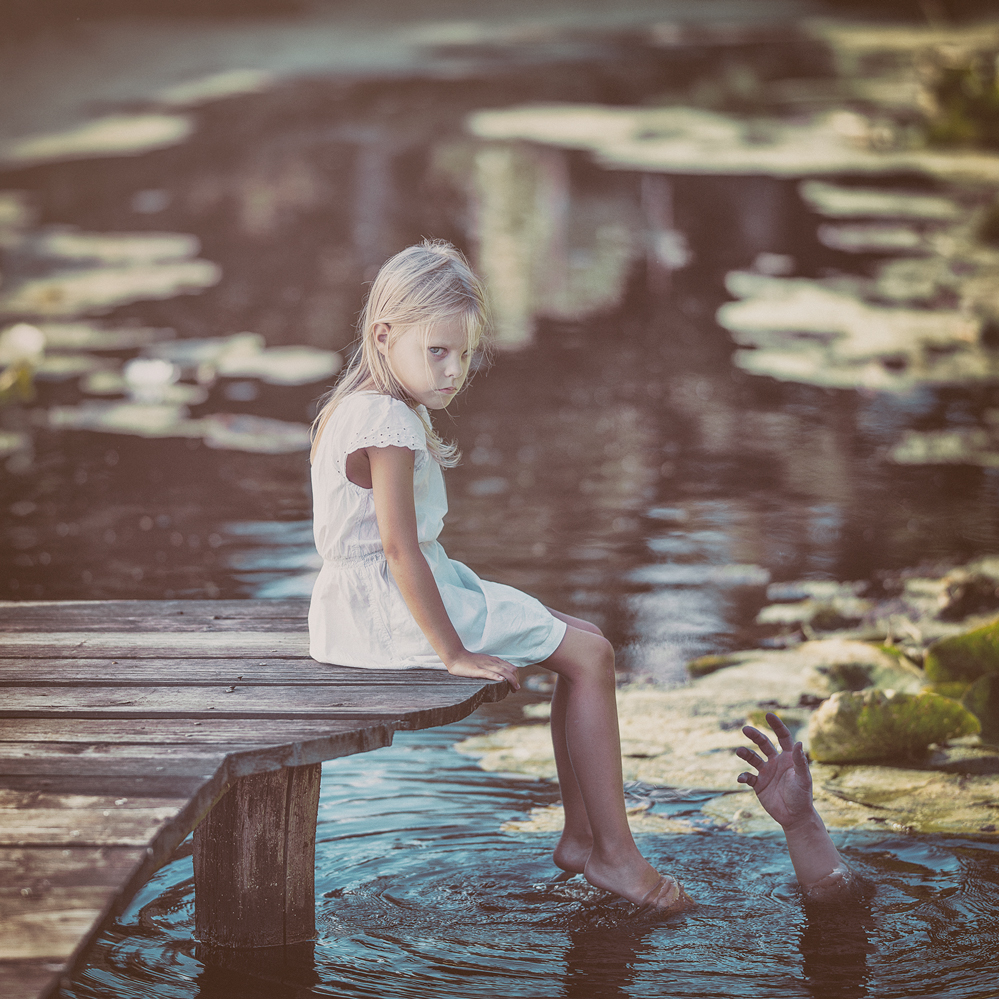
(419, 286)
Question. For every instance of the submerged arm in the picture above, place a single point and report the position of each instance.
(784, 788)
(395, 509)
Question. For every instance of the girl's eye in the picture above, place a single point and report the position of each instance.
(436, 351)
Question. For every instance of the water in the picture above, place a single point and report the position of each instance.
(419, 893)
(617, 465)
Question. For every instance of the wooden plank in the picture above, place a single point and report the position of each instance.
(431, 704)
(183, 731)
(49, 925)
(84, 765)
(61, 615)
(154, 787)
(123, 722)
(167, 625)
(93, 827)
(156, 644)
(14, 754)
(24, 671)
(71, 802)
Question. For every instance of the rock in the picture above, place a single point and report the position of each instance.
(904, 800)
(880, 667)
(686, 737)
(982, 700)
(704, 665)
(964, 657)
(884, 725)
(552, 818)
(822, 615)
(968, 593)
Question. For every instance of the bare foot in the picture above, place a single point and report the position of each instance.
(639, 882)
(571, 855)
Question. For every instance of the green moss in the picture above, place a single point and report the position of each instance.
(982, 700)
(711, 664)
(964, 657)
(953, 688)
(878, 725)
(966, 96)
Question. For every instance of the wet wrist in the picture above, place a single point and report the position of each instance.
(806, 822)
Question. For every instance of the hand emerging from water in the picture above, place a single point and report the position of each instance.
(783, 784)
(483, 667)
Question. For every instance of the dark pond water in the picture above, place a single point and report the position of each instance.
(617, 465)
(419, 894)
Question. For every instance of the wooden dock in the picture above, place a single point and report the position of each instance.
(123, 722)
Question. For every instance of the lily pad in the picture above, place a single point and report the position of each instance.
(114, 135)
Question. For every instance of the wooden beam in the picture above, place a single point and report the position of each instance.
(255, 859)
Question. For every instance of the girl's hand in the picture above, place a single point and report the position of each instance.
(476, 664)
(783, 784)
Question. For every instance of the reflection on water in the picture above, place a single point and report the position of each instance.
(618, 465)
(419, 894)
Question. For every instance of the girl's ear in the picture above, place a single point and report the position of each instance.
(381, 334)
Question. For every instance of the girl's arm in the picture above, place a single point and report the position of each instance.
(395, 509)
(784, 788)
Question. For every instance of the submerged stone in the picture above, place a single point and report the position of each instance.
(884, 725)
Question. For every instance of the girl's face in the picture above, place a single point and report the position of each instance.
(430, 365)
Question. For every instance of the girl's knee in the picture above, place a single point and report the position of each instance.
(583, 655)
(600, 656)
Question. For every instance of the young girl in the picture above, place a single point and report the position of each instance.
(388, 596)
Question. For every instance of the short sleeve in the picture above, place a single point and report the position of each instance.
(372, 420)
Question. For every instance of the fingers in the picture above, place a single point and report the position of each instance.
(746, 778)
(800, 762)
(751, 758)
(782, 732)
(761, 740)
(500, 669)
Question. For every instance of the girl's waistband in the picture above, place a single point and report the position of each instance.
(368, 558)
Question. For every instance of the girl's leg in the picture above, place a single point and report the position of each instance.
(576, 842)
(584, 662)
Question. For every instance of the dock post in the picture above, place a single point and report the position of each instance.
(255, 859)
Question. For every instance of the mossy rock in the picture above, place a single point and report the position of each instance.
(952, 688)
(964, 657)
(711, 664)
(871, 725)
(982, 700)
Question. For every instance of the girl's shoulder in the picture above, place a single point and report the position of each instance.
(371, 419)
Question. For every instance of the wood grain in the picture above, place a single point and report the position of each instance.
(123, 722)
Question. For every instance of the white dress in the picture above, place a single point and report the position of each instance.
(358, 616)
